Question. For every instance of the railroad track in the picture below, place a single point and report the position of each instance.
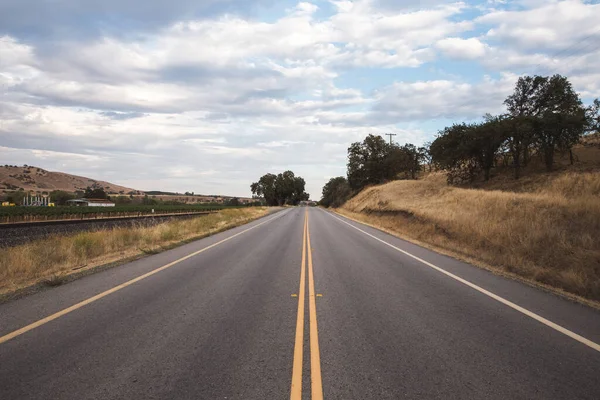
(93, 219)
(16, 233)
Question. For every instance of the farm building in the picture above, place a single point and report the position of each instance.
(90, 203)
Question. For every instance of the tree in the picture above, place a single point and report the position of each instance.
(562, 120)
(60, 197)
(593, 117)
(336, 192)
(95, 192)
(234, 201)
(371, 162)
(485, 140)
(408, 159)
(522, 107)
(15, 197)
(298, 194)
(147, 201)
(374, 161)
(464, 150)
(281, 189)
(265, 187)
(427, 156)
(451, 152)
(519, 140)
(551, 110)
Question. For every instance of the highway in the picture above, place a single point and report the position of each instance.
(301, 304)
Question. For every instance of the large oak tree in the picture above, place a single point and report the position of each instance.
(281, 189)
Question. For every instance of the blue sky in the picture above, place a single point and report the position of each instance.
(207, 96)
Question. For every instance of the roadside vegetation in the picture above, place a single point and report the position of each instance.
(52, 260)
(548, 236)
(518, 192)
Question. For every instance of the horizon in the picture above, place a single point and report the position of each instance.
(175, 193)
(209, 97)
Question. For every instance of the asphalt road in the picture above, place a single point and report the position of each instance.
(234, 316)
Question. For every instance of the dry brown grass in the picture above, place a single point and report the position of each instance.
(550, 234)
(49, 260)
(535, 177)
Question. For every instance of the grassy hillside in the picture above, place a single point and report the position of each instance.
(544, 227)
(36, 179)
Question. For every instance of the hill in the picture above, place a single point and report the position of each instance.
(544, 228)
(34, 179)
(38, 180)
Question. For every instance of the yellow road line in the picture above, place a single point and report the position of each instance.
(494, 296)
(296, 391)
(316, 382)
(74, 307)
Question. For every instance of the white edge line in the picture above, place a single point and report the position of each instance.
(502, 300)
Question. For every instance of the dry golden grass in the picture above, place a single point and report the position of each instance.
(591, 140)
(535, 177)
(549, 235)
(50, 259)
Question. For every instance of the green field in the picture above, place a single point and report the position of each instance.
(23, 214)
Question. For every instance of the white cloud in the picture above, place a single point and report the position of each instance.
(219, 65)
(16, 62)
(13, 53)
(305, 8)
(546, 38)
(210, 104)
(282, 143)
(551, 25)
(429, 100)
(457, 48)
(60, 19)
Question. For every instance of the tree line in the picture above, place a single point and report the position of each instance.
(544, 116)
(281, 189)
(371, 162)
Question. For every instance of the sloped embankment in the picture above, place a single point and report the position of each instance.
(550, 235)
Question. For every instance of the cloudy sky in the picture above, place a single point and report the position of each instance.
(208, 95)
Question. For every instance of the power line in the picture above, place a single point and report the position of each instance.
(570, 51)
(565, 62)
(597, 30)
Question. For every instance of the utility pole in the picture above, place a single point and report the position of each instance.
(390, 135)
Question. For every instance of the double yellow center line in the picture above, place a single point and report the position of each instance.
(315, 358)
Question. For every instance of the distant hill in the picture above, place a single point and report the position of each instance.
(34, 179)
(161, 193)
